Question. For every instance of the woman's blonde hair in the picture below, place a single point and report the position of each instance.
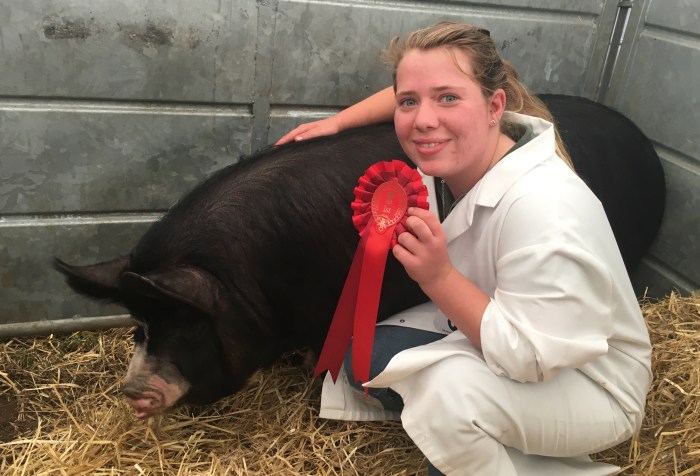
(490, 71)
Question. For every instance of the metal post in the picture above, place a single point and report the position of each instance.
(623, 10)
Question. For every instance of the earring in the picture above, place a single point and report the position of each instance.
(493, 121)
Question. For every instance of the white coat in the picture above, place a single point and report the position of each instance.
(533, 237)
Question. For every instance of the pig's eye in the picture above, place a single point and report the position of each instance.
(139, 335)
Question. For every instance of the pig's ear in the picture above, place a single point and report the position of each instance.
(99, 280)
(189, 285)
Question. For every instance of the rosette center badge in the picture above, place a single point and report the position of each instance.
(389, 204)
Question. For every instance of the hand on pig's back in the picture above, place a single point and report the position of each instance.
(324, 127)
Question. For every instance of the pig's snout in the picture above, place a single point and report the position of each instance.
(144, 404)
(152, 396)
(152, 385)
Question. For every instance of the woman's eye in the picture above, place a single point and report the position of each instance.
(449, 98)
(409, 102)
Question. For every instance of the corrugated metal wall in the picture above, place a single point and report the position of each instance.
(656, 83)
(109, 111)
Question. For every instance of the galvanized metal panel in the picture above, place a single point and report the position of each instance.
(679, 15)
(263, 72)
(175, 50)
(30, 290)
(326, 53)
(65, 326)
(580, 6)
(656, 83)
(662, 94)
(73, 158)
(678, 242)
(655, 279)
(92, 156)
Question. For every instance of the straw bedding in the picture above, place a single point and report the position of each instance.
(61, 413)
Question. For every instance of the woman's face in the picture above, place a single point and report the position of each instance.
(442, 120)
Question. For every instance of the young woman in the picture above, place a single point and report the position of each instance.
(546, 357)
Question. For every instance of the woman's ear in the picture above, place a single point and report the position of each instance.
(497, 105)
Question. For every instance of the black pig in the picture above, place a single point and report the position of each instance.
(250, 264)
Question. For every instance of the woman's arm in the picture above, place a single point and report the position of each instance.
(375, 109)
(426, 261)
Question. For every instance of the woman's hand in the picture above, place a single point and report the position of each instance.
(324, 127)
(377, 108)
(425, 255)
(426, 260)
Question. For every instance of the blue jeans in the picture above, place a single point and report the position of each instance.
(389, 341)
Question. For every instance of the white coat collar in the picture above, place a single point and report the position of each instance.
(490, 189)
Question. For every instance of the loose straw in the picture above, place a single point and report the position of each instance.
(61, 413)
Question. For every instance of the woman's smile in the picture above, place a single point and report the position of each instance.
(430, 146)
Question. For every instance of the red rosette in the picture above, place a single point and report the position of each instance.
(382, 197)
(380, 173)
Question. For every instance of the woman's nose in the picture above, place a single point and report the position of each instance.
(426, 118)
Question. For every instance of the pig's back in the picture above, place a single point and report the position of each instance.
(277, 227)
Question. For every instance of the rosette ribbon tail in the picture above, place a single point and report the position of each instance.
(368, 293)
(356, 313)
(340, 332)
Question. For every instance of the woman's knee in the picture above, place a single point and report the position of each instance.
(461, 390)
